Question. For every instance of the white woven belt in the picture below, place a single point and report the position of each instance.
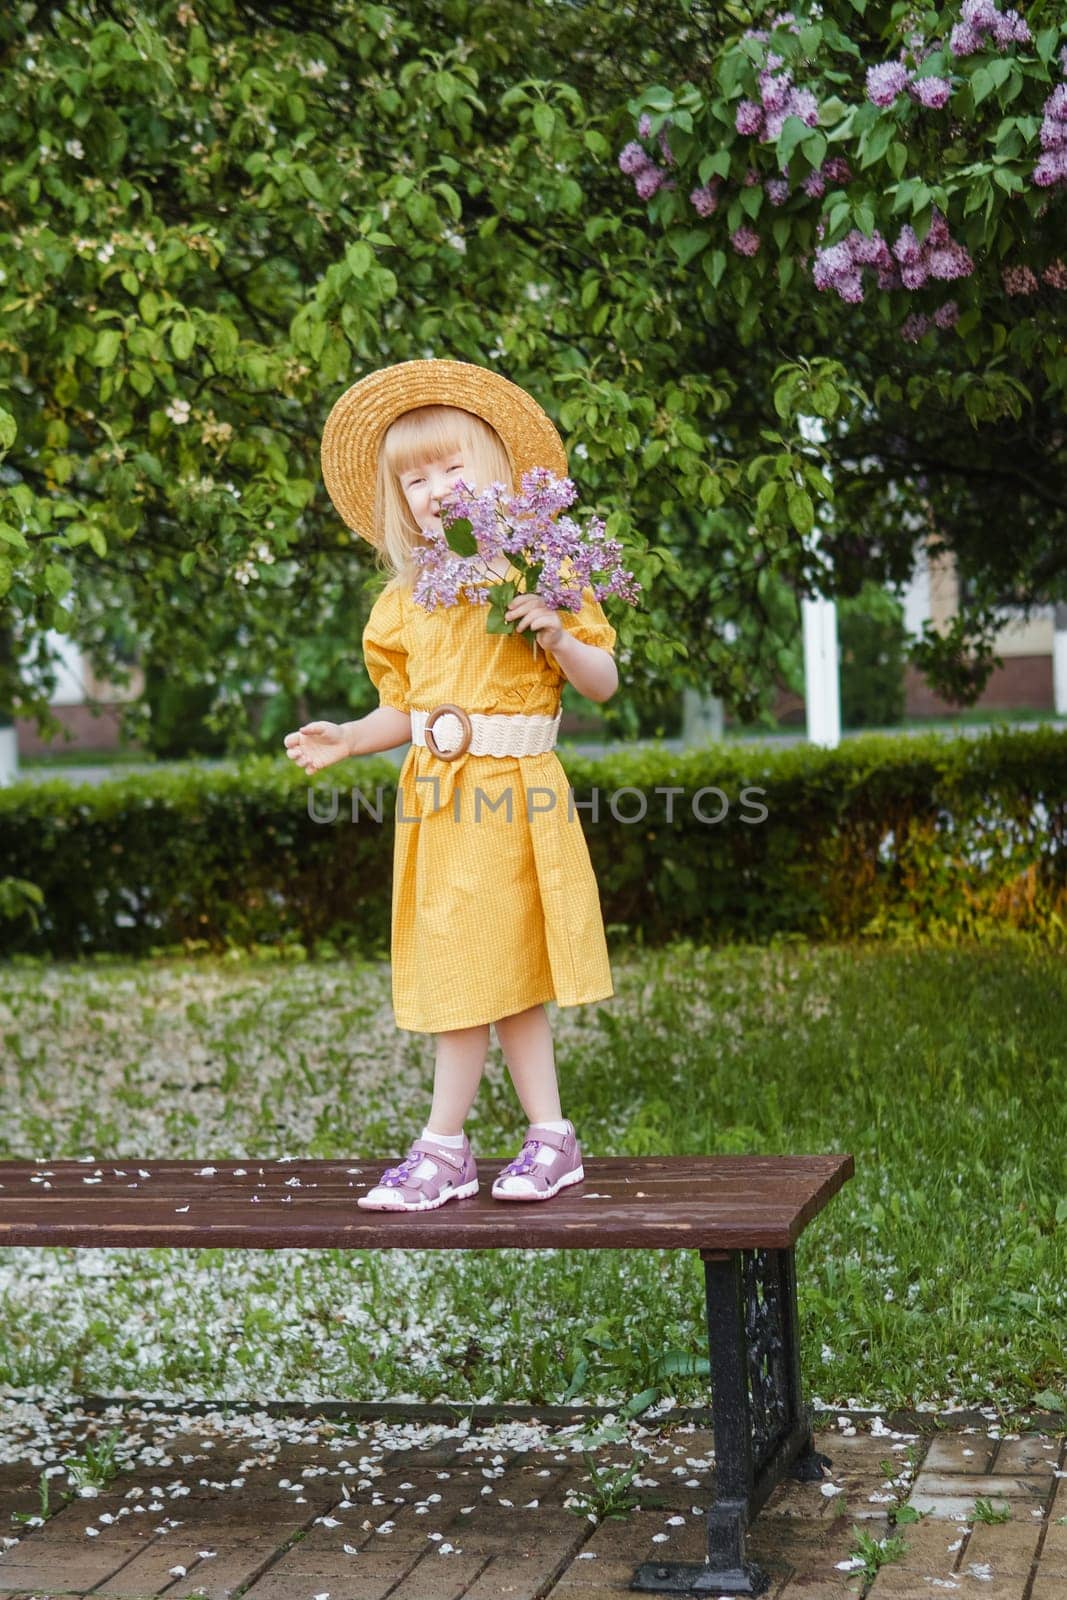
(453, 732)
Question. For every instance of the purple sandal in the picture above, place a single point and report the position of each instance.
(451, 1175)
(548, 1162)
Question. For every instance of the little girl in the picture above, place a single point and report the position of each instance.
(495, 908)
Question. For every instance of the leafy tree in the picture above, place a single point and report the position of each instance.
(216, 214)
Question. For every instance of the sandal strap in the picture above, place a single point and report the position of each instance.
(439, 1153)
(547, 1136)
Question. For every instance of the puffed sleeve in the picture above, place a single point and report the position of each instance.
(385, 651)
(589, 625)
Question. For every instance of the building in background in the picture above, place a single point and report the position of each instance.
(1027, 645)
(87, 706)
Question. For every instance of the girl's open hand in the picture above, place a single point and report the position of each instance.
(316, 745)
(530, 611)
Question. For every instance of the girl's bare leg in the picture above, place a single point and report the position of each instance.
(526, 1040)
(458, 1068)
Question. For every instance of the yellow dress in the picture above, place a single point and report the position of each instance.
(490, 914)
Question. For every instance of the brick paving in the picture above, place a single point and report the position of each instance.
(468, 1516)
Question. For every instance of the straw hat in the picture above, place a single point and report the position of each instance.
(358, 421)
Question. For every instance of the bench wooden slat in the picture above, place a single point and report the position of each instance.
(720, 1202)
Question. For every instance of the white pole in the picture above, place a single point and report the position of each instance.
(822, 695)
(9, 754)
(1059, 658)
(822, 686)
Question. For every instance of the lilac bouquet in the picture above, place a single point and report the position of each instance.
(555, 556)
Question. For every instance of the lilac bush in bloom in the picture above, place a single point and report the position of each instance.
(909, 264)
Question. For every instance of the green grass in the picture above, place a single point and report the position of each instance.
(938, 1275)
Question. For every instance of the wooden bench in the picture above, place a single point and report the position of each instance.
(743, 1214)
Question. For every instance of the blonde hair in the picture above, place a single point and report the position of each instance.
(426, 433)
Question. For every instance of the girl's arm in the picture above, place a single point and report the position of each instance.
(381, 729)
(591, 670)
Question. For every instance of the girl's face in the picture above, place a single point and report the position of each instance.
(425, 482)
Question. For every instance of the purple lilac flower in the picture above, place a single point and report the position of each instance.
(749, 118)
(814, 185)
(907, 249)
(979, 21)
(830, 264)
(1010, 28)
(868, 252)
(1052, 163)
(803, 104)
(963, 40)
(836, 269)
(933, 93)
(1018, 280)
(1051, 169)
(668, 153)
(952, 261)
(633, 159)
(705, 200)
(885, 82)
(948, 315)
(907, 265)
(837, 170)
(745, 241)
(777, 190)
(1055, 275)
(775, 90)
(751, 178)
(644, 126)
(648, 180)
(914, 327)
(937, 235)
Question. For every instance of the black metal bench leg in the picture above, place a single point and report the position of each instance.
(762, 1429)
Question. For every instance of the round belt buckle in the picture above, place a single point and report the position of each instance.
(468, 731)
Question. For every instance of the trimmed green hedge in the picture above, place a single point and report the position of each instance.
(879, 837)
